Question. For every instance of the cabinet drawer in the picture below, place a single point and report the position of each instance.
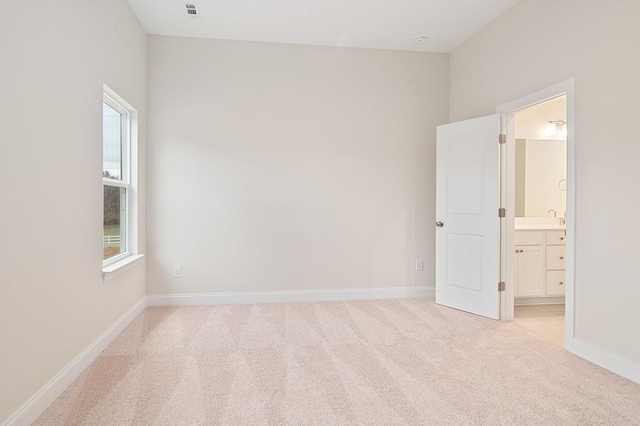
(555, 283)
(555, 257)
(556, 238)
(528, 238)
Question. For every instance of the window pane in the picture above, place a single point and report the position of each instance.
(111, 142)
(114, 232)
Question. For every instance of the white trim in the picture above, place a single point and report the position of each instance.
(116, 183)
(130, 171)
(570, 248)
(230, 298)
(525, 301)
(114, 270)
(566, 88)
(607, 360)
(115, 260)
(537, 97)
(506, 234)
(33, 408)
(504, 222)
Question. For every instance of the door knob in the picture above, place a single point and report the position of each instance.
(439, 224)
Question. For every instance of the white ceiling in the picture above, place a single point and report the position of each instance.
(378, 24)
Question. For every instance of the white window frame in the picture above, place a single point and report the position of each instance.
(118, 264)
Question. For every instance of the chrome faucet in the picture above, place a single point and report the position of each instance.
(555, 214)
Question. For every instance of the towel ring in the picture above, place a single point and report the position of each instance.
(562, 185)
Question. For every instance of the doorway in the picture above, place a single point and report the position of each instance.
(540, 210)
(539, 256)
(476, 211)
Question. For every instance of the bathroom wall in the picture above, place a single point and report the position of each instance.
(531, 122)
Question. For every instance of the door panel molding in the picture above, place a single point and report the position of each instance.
(468, 227)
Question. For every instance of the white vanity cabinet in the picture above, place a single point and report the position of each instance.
(539, 263)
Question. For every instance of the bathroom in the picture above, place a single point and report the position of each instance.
(540, 222)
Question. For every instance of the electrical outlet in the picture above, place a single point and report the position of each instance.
(177, 271)
(419, 265)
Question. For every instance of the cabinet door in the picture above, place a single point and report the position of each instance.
(529, 271)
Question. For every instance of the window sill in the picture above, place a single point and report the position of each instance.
(116, 269)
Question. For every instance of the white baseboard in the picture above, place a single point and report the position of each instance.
(33, 408)
(524, 301)
(606, 360)
(288, 296)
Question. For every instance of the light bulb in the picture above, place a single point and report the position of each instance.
(550, 128)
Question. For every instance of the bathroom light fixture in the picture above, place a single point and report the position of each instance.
(420, 39)
(556, 127)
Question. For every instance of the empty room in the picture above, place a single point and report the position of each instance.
(300, 212)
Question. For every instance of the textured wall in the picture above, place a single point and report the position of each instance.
(538, 43)
(282, 167)
(56, 56)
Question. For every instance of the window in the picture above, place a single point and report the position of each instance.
(118, 183)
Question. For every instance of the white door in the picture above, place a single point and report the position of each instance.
(468, 226)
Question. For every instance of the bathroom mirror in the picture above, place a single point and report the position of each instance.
(541, 172)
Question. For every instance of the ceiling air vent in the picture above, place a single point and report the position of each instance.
(192, 10)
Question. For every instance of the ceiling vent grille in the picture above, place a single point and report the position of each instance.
(192, 10)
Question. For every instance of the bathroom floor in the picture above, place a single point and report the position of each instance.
(547, 321)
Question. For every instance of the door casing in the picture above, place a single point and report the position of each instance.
(508, 190)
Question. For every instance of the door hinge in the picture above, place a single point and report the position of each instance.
(502, 212)
(501, 286)
(502, 138)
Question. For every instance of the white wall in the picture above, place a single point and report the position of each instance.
(54, 58)
(597, 43)
(282, 167)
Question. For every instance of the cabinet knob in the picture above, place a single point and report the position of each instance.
(561, 257)
(561, 283)
(561, 238)
(439, 224)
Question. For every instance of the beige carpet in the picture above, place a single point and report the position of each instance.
(391, 362)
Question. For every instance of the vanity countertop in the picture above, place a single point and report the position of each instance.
(540, 227)
(539, 224)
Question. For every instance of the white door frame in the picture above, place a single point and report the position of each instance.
(508, 199)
